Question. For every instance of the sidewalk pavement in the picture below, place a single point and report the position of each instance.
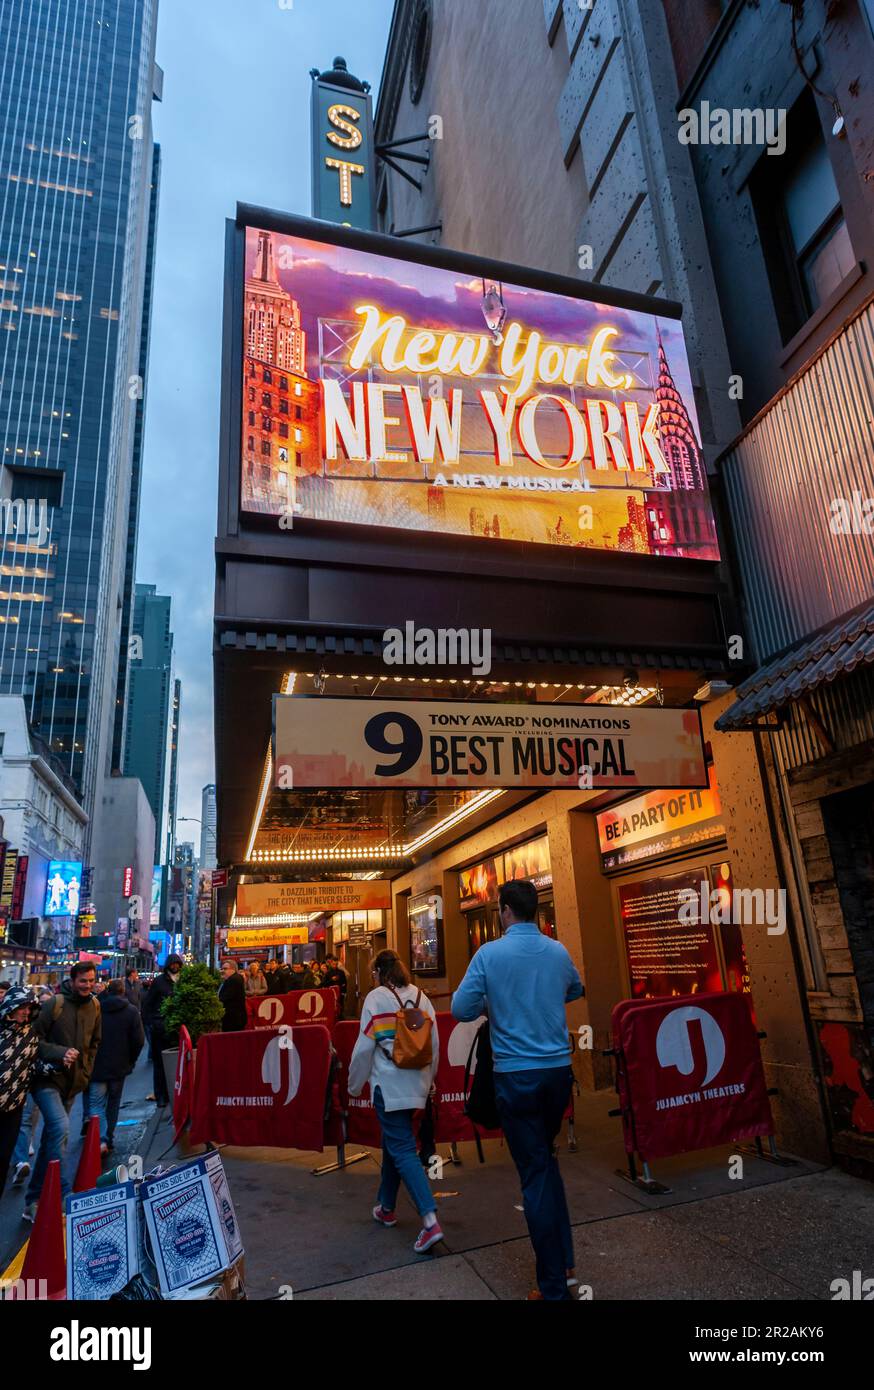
(774, 1234)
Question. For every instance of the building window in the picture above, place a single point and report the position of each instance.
(266, 399)
(252, 418)
(283, 407)
(420, 49)
(283, 383)
(265, 447)
(298, 413)
(283, 430)
(268, 377)
(801, 222)
(689, 30)
(267, 424)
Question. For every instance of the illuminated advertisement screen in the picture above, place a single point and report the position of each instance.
(155, 904)
(63, 887)
(386, 392)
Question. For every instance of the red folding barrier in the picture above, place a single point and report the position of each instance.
(297, 1007)
(362, 1126)
(451, 1125)
(262, 1087)
(689, 1073)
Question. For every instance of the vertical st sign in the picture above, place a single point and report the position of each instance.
(344, 182)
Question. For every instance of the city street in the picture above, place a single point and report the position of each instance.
(437, 678)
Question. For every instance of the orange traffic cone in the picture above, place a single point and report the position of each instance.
(45, 1258)
(89, 1162)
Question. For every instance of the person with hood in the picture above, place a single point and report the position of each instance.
(20, 1047)
(72, 1020)
(232, 993)
(120, 1046)
(160, 989)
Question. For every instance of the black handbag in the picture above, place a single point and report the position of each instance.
(480, 1104)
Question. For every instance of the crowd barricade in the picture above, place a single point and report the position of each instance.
(262, 1088)
(689, 1075)
(297, 1007)
(287, 1087)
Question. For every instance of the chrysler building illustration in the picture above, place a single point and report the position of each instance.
(679, 445)
(273, 330)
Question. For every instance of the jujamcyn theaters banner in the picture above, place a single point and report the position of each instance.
(389, 392)
(322, 742)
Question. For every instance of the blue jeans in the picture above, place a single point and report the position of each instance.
(531, 1105)
(104, 1101)
(29, 1121)
(55, 1112)
(400, 1160)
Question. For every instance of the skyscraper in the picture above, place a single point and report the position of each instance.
(78, 201)
(150, 726)
(207, 827)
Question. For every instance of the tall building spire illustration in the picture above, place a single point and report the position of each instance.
(679, 445)
(273, 328)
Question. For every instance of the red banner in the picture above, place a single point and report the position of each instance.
(264, 1087)
(298, 1007)
(451, 1125)
(184, 1085)
(693, 1074)
(362, 1126)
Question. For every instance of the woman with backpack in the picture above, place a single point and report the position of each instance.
(397, 1052)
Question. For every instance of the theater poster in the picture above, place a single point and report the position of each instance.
(392, 393)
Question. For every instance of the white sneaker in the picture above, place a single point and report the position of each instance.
(21, 1172)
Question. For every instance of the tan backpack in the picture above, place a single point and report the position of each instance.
(412, 1044)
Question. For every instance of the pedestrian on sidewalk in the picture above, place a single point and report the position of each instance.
(20, 1047)
(256, 980)
(72, 1019)
(398, 1092)
(25, 1145)
(120, 1046)
(232, 993)
(133, 990)
(336, 975)
(522, 982)
(160, 989)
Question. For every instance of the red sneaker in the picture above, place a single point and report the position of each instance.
(385, 1218)
(428, 1236)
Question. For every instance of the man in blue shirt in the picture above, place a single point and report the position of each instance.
(523, 982)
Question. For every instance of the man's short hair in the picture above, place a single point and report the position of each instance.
(115, 987)
(131, 970)
(81, 967)
(520, 896)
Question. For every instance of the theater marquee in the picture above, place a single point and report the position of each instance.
(388, 392)
(321, 742)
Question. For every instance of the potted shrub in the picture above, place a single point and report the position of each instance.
(195, 1004)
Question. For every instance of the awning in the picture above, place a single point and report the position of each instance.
(835, 650)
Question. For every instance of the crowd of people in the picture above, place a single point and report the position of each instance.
(85, 1041)
(87, 1037)
(275, 977)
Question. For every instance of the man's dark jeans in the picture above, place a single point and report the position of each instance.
(531, 1105)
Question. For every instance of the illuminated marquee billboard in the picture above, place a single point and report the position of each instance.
(386, 392)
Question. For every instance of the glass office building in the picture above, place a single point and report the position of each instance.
(78, 198)
(151, 726)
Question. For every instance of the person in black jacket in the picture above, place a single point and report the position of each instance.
(232, 993)
(120, 1046)
(160, 989)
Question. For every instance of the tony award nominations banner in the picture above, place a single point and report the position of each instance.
(431, 743)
